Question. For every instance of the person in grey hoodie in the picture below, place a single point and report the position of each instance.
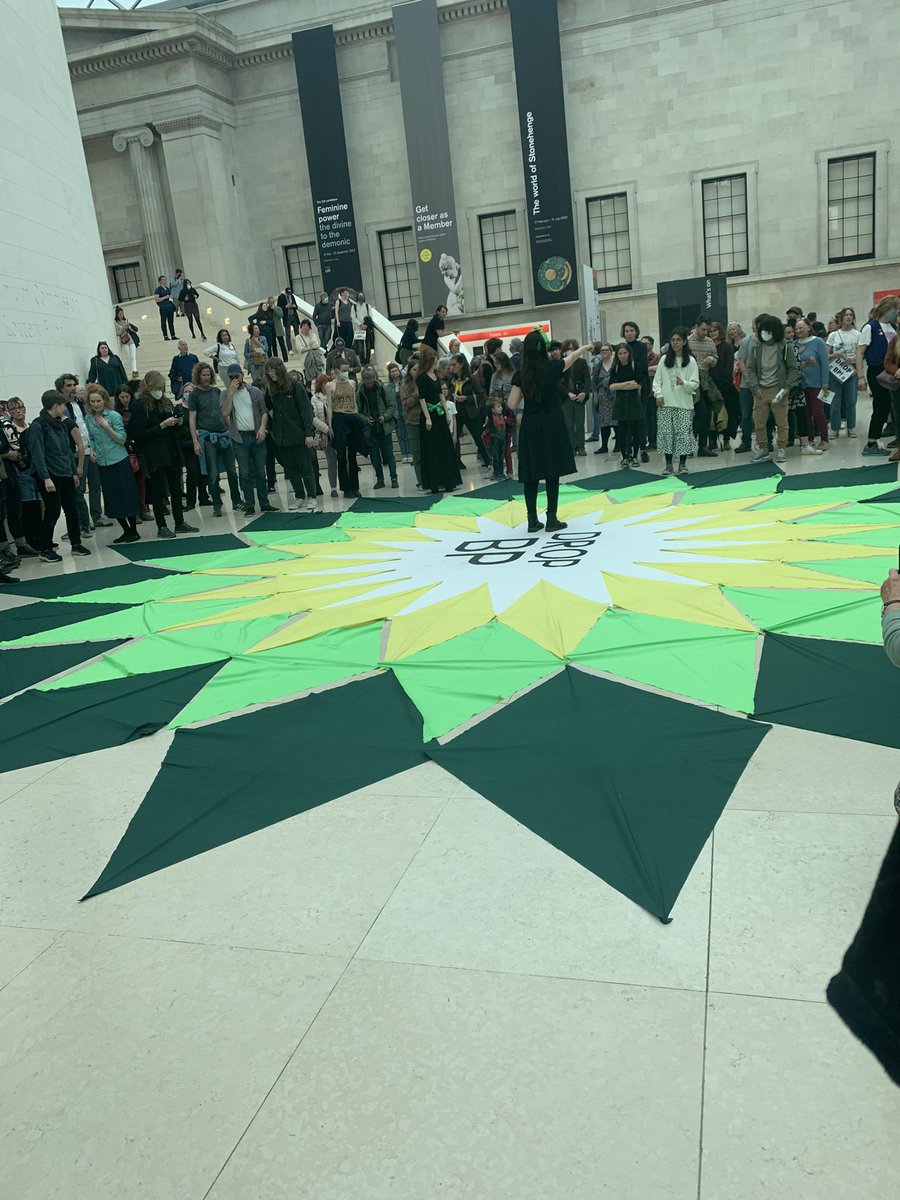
(54, 465)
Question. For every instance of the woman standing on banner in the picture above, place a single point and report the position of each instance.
(675, 384)
(545, 451)
(440, 471)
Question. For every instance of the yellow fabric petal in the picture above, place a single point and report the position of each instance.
(511, 514)
(702, 605)
(411, 632)
(704, 512)
(636, 508)
(738, 520)
(343, 616)
(554, 618)
(291, 603)
(583, 508)
(765, 575)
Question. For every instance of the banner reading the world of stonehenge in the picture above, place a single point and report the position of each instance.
(545, 150)
(428, 155)
(326, 158)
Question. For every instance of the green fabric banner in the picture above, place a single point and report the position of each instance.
(259, 769)
(627, 783)
(22, 668)
(455, 680)
(846, 616)
(717, 666)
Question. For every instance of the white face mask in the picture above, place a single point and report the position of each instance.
(157, 395)
(891, 316)
(345, 374)
(766, 335)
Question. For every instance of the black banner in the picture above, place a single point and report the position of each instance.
(326, 158)
(421, 76)
(545, 149)
(682, 301)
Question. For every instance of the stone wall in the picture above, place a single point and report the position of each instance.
(658, 97)
(54, 299)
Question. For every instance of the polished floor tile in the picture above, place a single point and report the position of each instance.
(793, 1107)
(795, 770)
(131, 1067)
(486, 893)
(789, 890)
(19, 948)
(419, 1082)
(313, 883)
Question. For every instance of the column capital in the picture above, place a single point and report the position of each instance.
(142, 134)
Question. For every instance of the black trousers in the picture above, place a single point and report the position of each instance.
(195, 483)
(531, 494)
(628, 438)
(282, 345)
(167, 322)
(702, 414)
(291, 326)
(881, 403)
(61, 499)
(192, 312)
(297, 464)
(270, 463)
(165, 484)
(474, 425)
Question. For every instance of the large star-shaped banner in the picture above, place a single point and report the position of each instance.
(438, 627)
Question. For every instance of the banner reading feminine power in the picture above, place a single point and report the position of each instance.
(326, 158)
(545, 150)
(428, 155)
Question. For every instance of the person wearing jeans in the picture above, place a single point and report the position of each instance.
(244, 409)
(209, 434)
(53, 460)
(871, 351)
(842, 343)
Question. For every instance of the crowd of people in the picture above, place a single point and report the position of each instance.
(130, 449)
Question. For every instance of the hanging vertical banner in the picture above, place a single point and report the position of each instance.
(326, 158)
(428, 155)
(545, 149)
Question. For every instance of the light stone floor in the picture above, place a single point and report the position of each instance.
(406, 995)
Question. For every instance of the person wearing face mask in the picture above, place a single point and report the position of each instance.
(874, 338)
(772, 371)
(323, 315)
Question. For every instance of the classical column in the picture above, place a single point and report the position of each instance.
(157, 236)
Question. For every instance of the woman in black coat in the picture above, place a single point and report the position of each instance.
(155, 429)
(292, 431)
(545, 451)
(106, 369)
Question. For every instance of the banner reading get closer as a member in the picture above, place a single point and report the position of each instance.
(545, 149)
(421, 76)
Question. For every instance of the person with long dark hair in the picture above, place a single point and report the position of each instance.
(129, 338)
(293, 432)
(545, 451)
(871, 349)
(625, 384)
(190, 298)
(106, 369)
(675, 384)
(108, 438)
(440, 470)
(223, 353)
(470, 415)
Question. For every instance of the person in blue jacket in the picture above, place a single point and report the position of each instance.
(814, 369)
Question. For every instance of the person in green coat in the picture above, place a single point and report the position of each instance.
(380, 415)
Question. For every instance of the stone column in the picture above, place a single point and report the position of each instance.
(157, 236)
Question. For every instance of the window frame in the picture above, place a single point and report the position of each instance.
(621, 194)
(511, 219)
(314, 259)
(842, 158)
(707, 179)
(138, 268)
(412, 263)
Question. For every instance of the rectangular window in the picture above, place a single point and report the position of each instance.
(725, 234)
(401, 273)
(610, 241)
(501, 260)
(302, 261)
(128, 282)
(851, 208)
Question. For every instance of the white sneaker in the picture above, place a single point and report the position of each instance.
(760, 455)
(296, 505)
(780, 456)
(809, 449)
(311, 506)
